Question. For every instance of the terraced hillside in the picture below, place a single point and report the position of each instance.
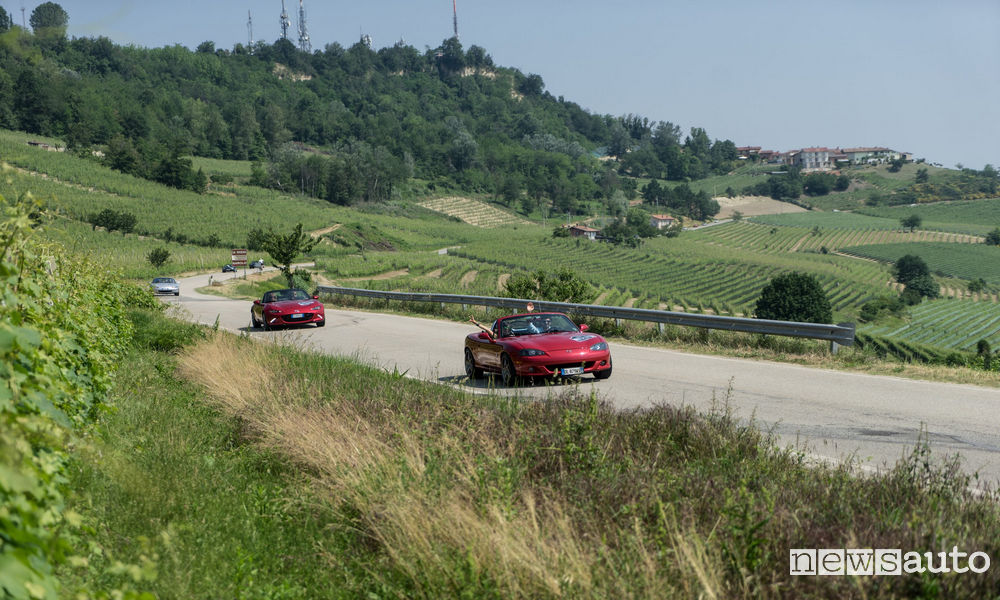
(473, 212)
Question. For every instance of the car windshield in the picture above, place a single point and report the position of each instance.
(164, 280)
(282, 295)
(534, 324)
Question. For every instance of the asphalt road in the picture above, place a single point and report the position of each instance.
(877, 419)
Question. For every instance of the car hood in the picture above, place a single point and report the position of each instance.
(292, 305)
(550, 342)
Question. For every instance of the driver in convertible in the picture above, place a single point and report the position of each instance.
(540, 324)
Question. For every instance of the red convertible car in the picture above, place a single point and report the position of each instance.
(282, 308)
(536, 345)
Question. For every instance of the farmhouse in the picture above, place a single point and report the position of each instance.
(661, 221)
(583, 231)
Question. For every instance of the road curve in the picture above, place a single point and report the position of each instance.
(877, 419)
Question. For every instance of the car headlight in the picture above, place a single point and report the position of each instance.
(600, 346)
(532, 352)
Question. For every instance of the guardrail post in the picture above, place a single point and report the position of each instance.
(661, 326)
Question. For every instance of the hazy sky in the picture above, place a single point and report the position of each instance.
(921, 76)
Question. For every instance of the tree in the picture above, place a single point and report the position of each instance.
(5, 21)
(49, 17)
(794, 297)
(993, 238)
(922, 176)
(158, 257)
(909, 268)
(284, 249)
(977, 285)
(911, 222)
(563, 286)
(924, 286)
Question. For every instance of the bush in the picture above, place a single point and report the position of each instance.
(880, 307)
(794, 297)
(563, 286)
(158, 257)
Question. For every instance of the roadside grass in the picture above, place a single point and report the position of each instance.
(263, 471)
(168, 482)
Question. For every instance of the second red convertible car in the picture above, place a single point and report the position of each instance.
(536, 345)
(282, 308)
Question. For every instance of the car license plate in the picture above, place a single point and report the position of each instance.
(297, 316)
(571, 371)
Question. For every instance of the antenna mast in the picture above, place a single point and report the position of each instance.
(250, 30)
(304, 44)
(285, 21)
(454, 9)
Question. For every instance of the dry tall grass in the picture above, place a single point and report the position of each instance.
(438, 535)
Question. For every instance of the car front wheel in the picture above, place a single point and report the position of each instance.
(471, 370)
(508, 374)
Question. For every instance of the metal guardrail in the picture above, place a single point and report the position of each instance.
(837, 335)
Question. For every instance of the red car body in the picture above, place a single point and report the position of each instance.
(286, 308)
(536, 345)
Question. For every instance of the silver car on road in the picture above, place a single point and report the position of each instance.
(165, 285)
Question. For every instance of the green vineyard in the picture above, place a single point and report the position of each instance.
(945, 324)
(964, 261)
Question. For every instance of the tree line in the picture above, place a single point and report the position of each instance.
(347, 124)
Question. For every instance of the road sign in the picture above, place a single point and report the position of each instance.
(239, 257)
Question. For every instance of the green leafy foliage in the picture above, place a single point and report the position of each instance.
(794, 297)
(285, 248)
(562, 286)
(63, 328)
(158, 257)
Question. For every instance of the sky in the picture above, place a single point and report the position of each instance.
(918, 76)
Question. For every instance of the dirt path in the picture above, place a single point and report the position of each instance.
(468, 278)
(324, 231)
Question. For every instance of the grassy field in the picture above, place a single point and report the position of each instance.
(265, 472)
(978, 217)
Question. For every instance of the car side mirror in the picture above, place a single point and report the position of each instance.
(257, 302)
(315, 297)
(584, 327)
(483, 335)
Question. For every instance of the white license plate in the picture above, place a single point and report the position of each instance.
(297, 316)
(571, 371)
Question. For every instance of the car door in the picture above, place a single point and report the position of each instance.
(489, 350)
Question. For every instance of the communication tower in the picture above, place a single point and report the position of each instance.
(454, 18)
(250, 30)
(304, 44)
(285, 21)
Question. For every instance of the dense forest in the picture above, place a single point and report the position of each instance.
(344, 124)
